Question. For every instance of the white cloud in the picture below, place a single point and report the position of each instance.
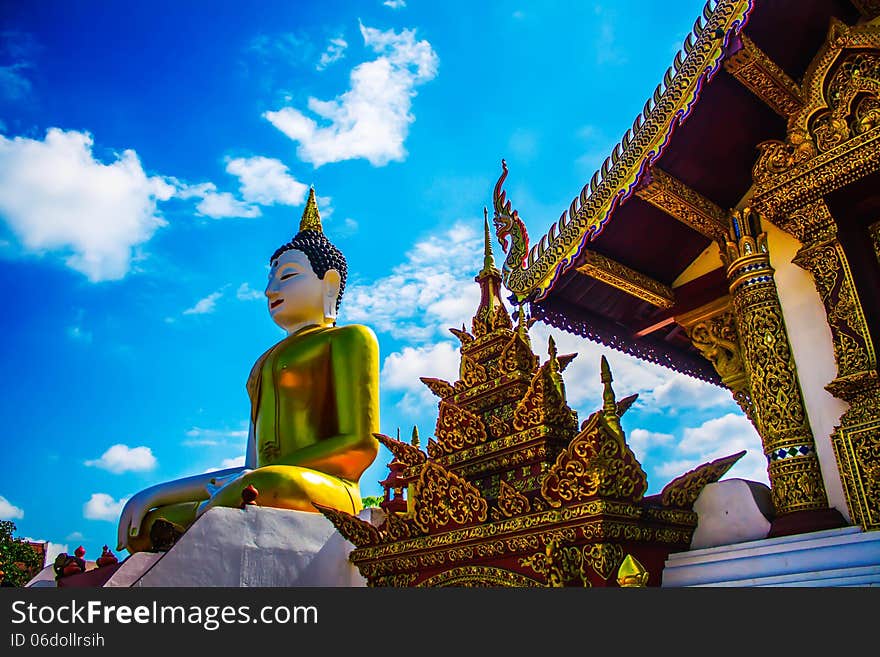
(103, 507)
(431, 291)
(643, 441)
(122, 458)
(402, 369)
(686, 392)
(235, 462)
(8, 511)
(246, 293)
(223, 205)
(75, 536)
(335, 51)
(395, 4)
(719, 437)
(371, 120)
(204, 306)
(199, 437)
(56, 196)
(266, 181)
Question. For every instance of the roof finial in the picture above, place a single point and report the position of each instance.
(488, 258)
(311, 219)
(415, 437)
(609, 402)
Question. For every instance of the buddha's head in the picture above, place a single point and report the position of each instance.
(307, 276)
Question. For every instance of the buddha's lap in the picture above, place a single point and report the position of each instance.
(279, 486)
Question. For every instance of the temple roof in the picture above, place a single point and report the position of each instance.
(637, 247)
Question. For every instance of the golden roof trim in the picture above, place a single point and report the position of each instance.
(532, 275)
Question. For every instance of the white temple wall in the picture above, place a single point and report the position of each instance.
(813, 351)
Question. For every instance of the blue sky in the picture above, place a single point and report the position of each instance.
(154, 155)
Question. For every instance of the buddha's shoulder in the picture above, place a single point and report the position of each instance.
(351, 333)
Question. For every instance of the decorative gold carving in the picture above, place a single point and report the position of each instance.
(683, 203)
(683, 491)
(480, 576)
(403, 452)
(761, 75)
(530, 273)
(596, 463)
(398, 528)
(857, 450)
(400, 580)
(443, 500)
(472, 372)
(463, 336)
(603, 558)
(544, 402)
(443, 389)
(834, 138)
(558, 565)
(796, 483)
(853, 348)
(510, 503)
(457, 428)
(717, 340)
(355, 530)
(517, 356)
(623, 278)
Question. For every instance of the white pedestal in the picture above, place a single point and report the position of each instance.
(835, 557)
(257, 546)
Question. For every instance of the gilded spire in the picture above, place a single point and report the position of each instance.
(311, 219)
(488, 258)
(609, 402)
(415, 436)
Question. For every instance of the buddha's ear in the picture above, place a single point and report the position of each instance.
(331, 283)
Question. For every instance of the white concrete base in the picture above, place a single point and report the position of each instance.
(835, 557)
(132, 569)
(257, 546)
(732, 511)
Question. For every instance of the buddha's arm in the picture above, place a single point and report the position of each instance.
(189, 489)
(354, 354)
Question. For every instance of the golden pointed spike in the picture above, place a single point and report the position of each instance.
(488, 258)
(415, 436)
(631, 573)
(606, 371)
(551, 348)
(398, 433)
(311, 219)
(609, 402)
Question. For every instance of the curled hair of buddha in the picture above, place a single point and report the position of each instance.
(322, 254)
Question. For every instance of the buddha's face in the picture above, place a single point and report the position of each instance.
(296, 296)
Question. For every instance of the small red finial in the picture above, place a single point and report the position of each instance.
(107, 558)
(80, 552)
(249, 496)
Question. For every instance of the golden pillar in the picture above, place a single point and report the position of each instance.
(856, 439)
(777, 404)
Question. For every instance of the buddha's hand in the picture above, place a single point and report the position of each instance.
(217, 483)
(219, 489)
(132, 515)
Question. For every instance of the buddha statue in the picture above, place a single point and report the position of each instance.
(314, 405)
